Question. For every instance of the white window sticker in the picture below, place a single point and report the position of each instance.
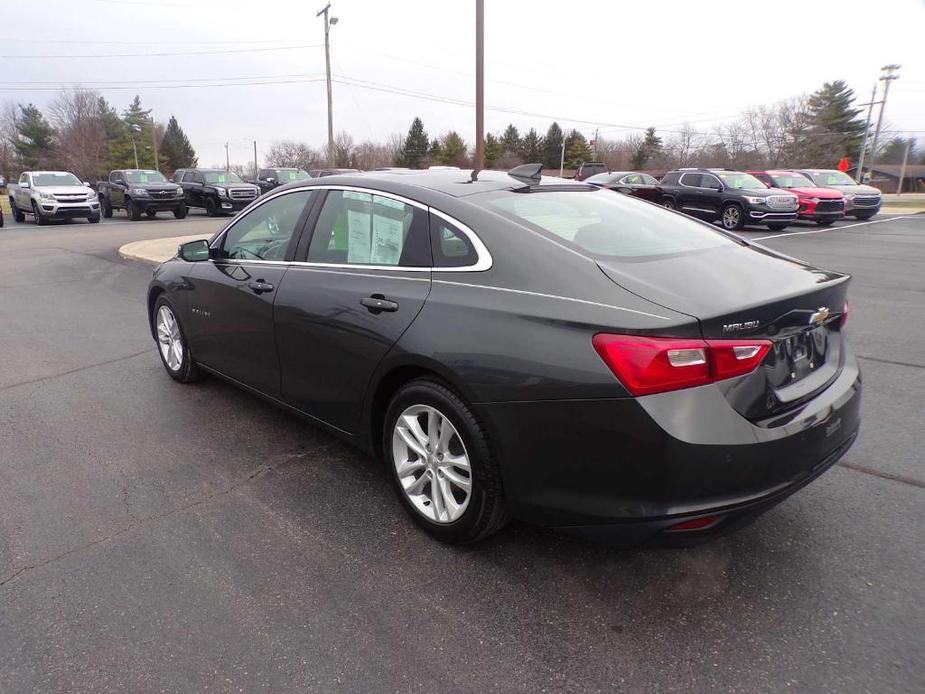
(359, 237)
(386, 241)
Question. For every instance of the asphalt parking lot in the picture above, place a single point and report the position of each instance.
(160, 537)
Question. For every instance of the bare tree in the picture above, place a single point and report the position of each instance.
(291, 154)
(82, 145)
(684, 146)
(344, 150)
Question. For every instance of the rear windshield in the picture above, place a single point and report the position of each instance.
(605, 225)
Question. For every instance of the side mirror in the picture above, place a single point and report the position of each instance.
(270, 180)
(25, 186)
(194, 251)
(87, 183)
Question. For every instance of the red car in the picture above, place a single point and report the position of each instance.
(820, 205)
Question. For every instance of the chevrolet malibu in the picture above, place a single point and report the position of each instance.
(517, 346)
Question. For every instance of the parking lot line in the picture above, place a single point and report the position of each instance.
(834, 228)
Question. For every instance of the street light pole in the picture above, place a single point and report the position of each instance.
(479, 84)
(328, 22)
(902, 169)
(135, 128)
(890, 75)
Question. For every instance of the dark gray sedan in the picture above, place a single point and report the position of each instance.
(526, 347)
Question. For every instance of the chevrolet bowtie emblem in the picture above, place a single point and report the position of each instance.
(820, 315)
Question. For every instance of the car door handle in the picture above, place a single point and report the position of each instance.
(261, 287)
(377, 303)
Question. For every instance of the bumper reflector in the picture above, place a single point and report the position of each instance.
(695, 524)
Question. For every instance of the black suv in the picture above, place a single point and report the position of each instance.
(733, 198)
(268, 179)
(590, 168)
(216, 190)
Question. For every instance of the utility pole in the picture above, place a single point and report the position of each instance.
(157, 161)
(479, 84)
(890, 75)
(227, 164)
(255, 160)
(870, 111)
(594, 150)
(902, 169)
(328, 22)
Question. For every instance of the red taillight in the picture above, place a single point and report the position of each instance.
(696, 524)
(647, 365)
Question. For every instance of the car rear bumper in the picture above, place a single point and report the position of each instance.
(630, 468)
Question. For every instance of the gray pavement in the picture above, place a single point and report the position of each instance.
(159, 537)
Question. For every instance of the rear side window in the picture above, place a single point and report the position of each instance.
(691, 179)
(365, 229)
(451, 247)
(606, 225)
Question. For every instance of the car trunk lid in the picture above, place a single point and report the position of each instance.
(743, 293)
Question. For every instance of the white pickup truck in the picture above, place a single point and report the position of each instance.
(50, 195)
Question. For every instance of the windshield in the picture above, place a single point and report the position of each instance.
(605, 225)
(792, 181)
(834, 178)
(145, 177)
(222, 177)
(56, 179)
(740, 181)
(286, 175)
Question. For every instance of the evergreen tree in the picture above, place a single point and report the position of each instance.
(531, 147)
(552, 147)
(510, 140)
(176, 150)
(139, 126)
(648, 149)
(576, 150)
(894, 151)
(34, 138)
(493, 150)
(834, 127)
(453, 150)
(414, 148)
(118, 146)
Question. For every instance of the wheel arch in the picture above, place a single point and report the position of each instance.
(154, 293)
(389, 380)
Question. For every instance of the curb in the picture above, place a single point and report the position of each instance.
(156, 251)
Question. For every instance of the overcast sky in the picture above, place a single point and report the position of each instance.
(585, 64)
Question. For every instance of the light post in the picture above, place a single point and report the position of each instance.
(133, 129)
(328, 23)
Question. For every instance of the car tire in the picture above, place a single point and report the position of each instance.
(732, 217)
(151, 213)
(825, 222)
(667, 203)
(777, 227)
(105, 207)
(172, 346)
(211, 207)
(132, 210)
(180, 212)
(18, 214)
(94, 219)
(473, 514)
(37, 214)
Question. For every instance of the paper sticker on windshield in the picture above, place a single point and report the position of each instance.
(292, 175)
(143, 178)
(221, 178)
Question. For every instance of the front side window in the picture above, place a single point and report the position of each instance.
(605, 225)
(711, 182)
(264, 232)
(366, 229)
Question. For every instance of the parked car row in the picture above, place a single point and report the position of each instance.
(774, 198)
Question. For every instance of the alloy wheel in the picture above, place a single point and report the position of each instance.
(731, 217)
(169, 339)
(431, 463)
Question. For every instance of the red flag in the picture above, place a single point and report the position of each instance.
(844, 164)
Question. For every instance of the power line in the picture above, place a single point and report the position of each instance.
(161, 55)
(166, 86)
